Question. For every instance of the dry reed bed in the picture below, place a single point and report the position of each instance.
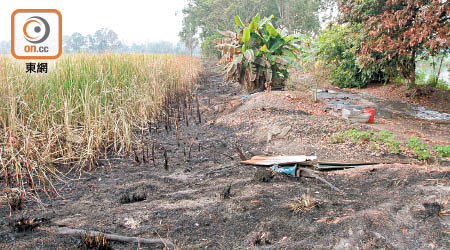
(86, 107)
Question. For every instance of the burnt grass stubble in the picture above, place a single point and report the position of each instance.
(184, 182)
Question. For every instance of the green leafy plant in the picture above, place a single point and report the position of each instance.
(442, 150)
(383, 135)
(386, 137)
(419, 148)
(433, 81)
(339, 137)
(208, 46)
(420, 78)
(357, 136)
(394, 146)
(338, 46)
(258, 55)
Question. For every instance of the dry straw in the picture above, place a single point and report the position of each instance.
(86, 107)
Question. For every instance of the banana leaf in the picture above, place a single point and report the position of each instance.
(249, 55)
(271, 30)
(238, 21)
(279, 42)
(246, 35)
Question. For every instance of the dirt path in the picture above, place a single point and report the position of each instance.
(384, 207)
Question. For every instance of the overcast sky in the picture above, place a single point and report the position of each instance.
(133, 20)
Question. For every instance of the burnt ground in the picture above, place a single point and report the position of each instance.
(395, 206)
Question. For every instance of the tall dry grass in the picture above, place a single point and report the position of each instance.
(86, 107)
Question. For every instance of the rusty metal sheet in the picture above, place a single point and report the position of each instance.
(280, 160)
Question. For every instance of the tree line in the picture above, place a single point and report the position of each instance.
(107, 40)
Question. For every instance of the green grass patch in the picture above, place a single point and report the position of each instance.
(419, 148)
(384, 137)
(442, 150)
(338, 137)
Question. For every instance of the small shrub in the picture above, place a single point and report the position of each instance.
(443, 85)
(338, 46)
(432, 81)
(262, 237)
(207, 46)
(420, 78)
(442, 150)
(419, 148)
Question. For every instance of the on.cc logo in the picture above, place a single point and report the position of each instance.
(36, 29)
(36, 34)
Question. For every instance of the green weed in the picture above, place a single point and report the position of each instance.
(419, 148)
(357, 136)
(442, 150)
(338, 137)
(386, 137)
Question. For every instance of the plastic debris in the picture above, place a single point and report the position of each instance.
(356, 115)
(291, 170)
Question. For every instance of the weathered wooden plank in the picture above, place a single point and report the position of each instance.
(278, 160)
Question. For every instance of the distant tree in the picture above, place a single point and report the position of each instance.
(90, 43)
(188, 36)
(181, 48)
(161, 47)
(137, 48)
(5, 47)
(298, 16)
(209, 16)
(401, 30)
(65, 41)
(112, 40)
(104, 40)
(100, 41)
(107, 40)
(76, 42)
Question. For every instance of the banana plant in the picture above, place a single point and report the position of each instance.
(257, 54)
